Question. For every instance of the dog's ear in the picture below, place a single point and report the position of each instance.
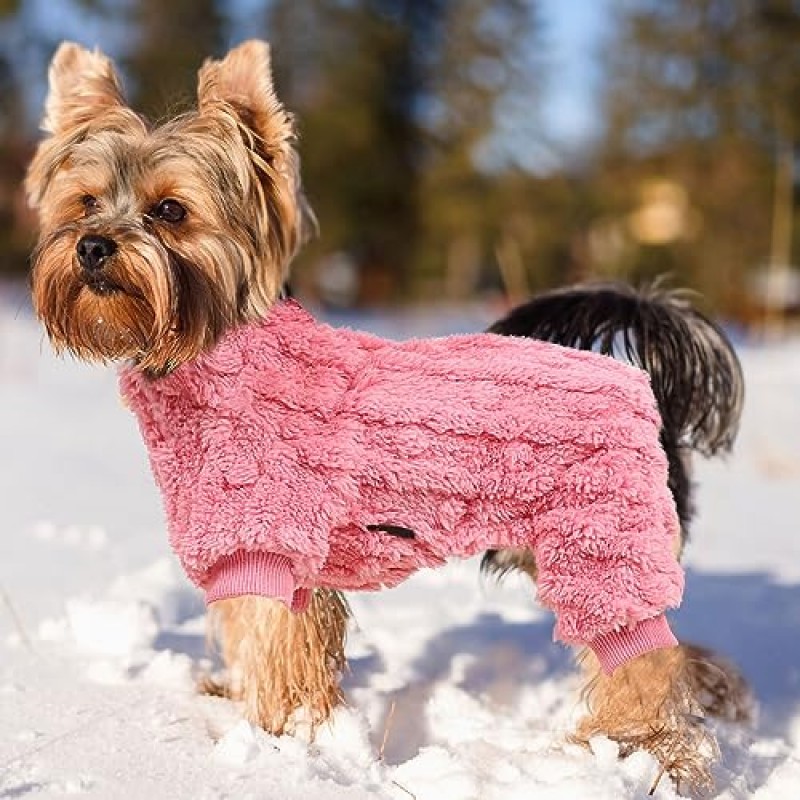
(83, 85)
(239, 89)
(241, 83)
(83, 88)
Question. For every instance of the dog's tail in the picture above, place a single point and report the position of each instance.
(694, 372)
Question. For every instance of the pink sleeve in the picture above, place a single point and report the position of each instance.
(256, 573)
(618, 647)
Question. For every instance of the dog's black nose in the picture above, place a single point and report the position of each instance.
(93, 251)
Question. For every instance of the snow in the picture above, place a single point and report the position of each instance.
(455, 688)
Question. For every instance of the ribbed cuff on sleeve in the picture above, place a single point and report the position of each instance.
(618, 647)
(264, 574)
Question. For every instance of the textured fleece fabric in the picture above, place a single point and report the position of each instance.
(296, 455)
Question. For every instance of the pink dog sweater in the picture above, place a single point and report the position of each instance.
(295, 455)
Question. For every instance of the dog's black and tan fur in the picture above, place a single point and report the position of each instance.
(155, 240)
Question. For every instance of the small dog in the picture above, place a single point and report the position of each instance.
(159, 243)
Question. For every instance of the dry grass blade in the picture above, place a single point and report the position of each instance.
(386, 729)
(15, 618)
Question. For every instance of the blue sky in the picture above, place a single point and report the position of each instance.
(555, 127)
(573, 31)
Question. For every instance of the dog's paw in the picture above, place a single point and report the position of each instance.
(684, 748)
(649, 704)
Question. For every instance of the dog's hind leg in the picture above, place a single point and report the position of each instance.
(279, 662)
(499, 563)
(720, 689)
(649, 704)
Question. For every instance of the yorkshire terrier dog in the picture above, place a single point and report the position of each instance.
(164, 247)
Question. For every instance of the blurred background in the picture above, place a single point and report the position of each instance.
(480, 150)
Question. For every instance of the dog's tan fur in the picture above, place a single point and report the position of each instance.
(648, 704)
(279, 662)
(172, 287)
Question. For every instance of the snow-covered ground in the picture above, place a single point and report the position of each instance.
(456, 690)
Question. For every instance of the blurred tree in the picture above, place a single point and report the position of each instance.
(171, 41)
(703, 97)
(353, 91)
(394, 101)
(10, 91)
(487, 60)
(14, 141)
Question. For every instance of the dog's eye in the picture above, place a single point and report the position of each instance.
(90, 203)
(170, 211)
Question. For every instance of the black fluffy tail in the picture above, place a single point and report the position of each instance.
(695, 374)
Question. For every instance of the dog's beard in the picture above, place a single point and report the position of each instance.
(149, 304)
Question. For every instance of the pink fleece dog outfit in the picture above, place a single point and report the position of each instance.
(296, 455)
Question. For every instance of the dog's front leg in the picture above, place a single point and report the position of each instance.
(278, 661)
